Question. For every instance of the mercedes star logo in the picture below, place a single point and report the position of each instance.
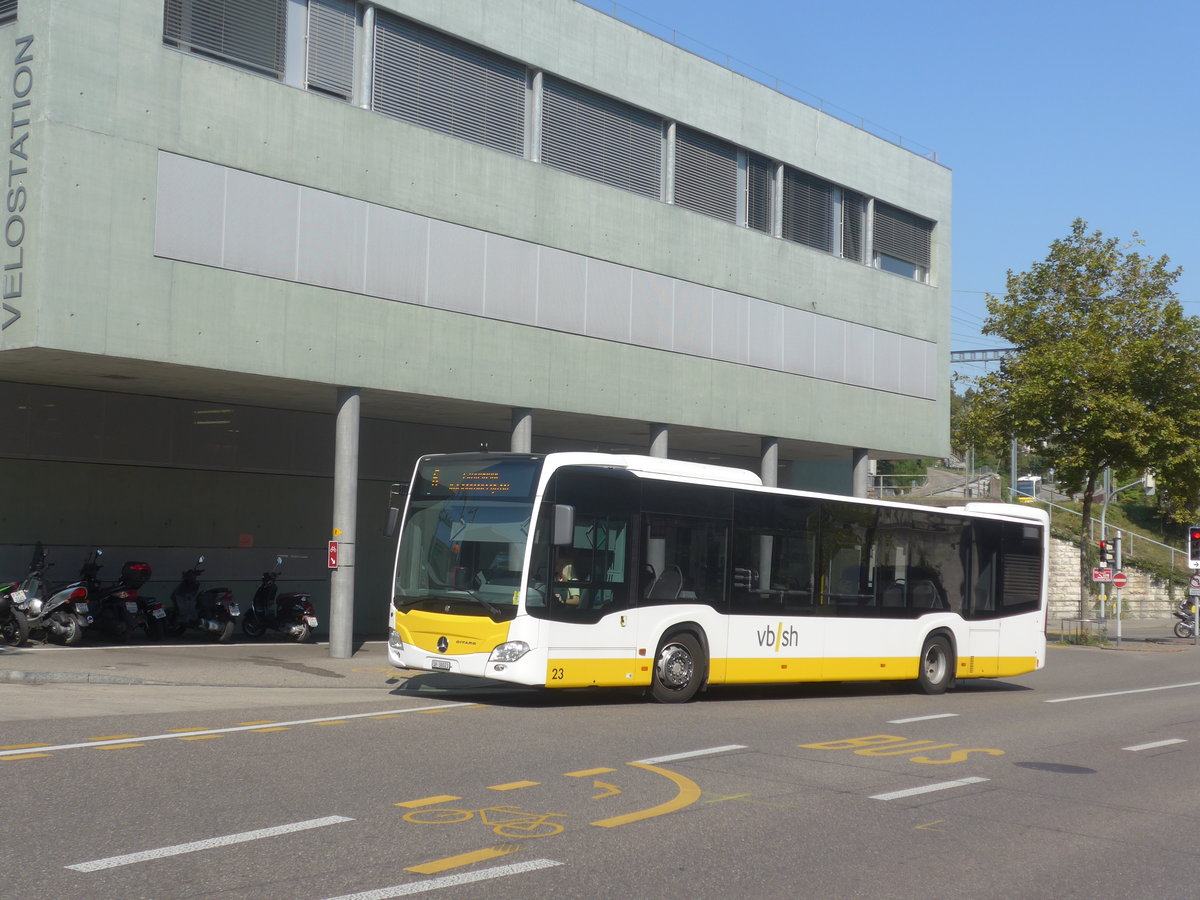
(443, 645)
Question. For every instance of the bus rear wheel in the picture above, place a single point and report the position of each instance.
(679, 668)
(936, 667)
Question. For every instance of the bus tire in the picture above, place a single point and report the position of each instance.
(679, 669)
(935, 669)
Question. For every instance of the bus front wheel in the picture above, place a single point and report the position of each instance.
(936, 668)
(679, 669)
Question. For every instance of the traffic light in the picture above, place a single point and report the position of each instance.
(1108, 550)
(1194, 546)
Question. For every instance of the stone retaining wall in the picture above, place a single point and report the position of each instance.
(1144, 597)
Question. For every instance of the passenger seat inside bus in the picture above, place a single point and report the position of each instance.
(669, 583)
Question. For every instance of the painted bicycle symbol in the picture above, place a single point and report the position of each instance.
(508, 821)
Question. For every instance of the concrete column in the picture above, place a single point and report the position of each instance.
(769, 465)
(860, 460)
(659, 435)
(522, 430)
(345, 515)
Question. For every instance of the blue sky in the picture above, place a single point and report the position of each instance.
(1045, 112)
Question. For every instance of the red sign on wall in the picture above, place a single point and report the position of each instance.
(333, 550)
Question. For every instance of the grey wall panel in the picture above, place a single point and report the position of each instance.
(562, 282)
(860, 354)
(332, 240)
(799, 335)
(913, 367)
(511, 280)
(397, 251)
(830, 349)
(608, 298)
(237, 220)
(190, 210)
(729, 327)
(887, 361)
(693, 319)
(456, 257)
(261, 222)
(652, 310)
(764, 331)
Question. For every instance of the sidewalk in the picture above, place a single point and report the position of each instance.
(242, 664)
(289, 665)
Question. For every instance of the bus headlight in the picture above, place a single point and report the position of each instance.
(394, 640)
(510, 651)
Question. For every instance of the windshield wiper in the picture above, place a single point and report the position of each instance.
(407, 602)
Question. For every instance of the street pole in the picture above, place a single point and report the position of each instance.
(1118, 592)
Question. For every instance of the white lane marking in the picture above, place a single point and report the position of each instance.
(435, 884)
(922, 718)
(236, 728)
(693, 753)
(194, 846)
(1165, 687)
(925, 789)
(1151, 746)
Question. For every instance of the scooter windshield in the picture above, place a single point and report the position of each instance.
(463, 555)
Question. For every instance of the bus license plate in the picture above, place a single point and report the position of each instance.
(440, 664)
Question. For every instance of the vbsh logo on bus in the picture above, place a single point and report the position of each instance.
(777, 637)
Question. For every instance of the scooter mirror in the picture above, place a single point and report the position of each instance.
(200, 561)
(279, 561)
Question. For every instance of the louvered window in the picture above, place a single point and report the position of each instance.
(246, 33)
(8, 10)
(902, 241)
(601, 138)
(1020, 571)
(760, 192)
(807, 210)
(331, 47)
(431, 79)
(853, 214)
(706, 174)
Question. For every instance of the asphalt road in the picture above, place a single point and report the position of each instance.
(1072, 781)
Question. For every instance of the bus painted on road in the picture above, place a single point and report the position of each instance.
(569, 570)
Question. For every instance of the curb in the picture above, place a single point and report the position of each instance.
(18, 677)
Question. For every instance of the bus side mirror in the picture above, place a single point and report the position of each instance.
(564, 525)
(396, 494)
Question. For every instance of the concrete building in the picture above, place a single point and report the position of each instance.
(259, 255)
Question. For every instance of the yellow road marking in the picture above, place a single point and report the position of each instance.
(722, 799)
(612, 791)
(23, 746)
(335, 722)
(463, 859)
(386, 716)
(585, 773)
(120, 746)
(930, 827)
(689, 793)
(110, 737)
(513, 785)
(23, 756)
(263, 722)
(186, 730)
(202, 737)
(427, 801)
(269, 730)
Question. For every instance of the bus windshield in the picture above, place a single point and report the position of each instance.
(463, 541)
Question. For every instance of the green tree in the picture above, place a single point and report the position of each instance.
(1106, 372)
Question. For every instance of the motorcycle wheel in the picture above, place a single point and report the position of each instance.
(72, 635)
(154, 629)
(225, 635)
(1182, 629)
(304, 634)
(252, 626)
(15, 630)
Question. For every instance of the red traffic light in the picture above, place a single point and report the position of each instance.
(1194, 534)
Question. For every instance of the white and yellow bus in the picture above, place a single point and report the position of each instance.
(570, 570)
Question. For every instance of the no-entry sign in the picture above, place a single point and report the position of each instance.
(1119, 579)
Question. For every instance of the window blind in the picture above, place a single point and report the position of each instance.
(330, 63)
(901, 234)
(706, 174)
(247, 33)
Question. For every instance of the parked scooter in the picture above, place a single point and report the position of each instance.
(61, 615)
(115, 606)
(292, 613)
(211, 610)
(14, 627)
(1186, 614)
